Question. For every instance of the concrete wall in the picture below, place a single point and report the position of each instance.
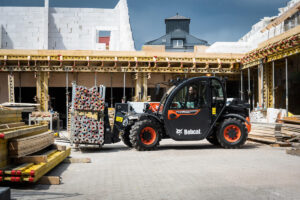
(22, 28)
(69, 28)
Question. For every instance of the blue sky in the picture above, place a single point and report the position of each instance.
(211, 20)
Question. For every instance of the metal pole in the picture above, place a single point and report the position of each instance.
(20, 87)
(287, 87)
(273, 80)
(111, 92)
(67, 99)
(95, 77)
(253, 86)
(249, 90)
(242, 88)
(262, 85)
(124, 87)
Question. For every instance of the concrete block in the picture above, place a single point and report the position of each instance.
(4, 193)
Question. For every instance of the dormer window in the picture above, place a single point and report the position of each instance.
(177, 43)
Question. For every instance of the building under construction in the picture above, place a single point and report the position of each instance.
(262, 67)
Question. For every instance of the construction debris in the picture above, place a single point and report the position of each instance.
(281, 134)
(293, 151)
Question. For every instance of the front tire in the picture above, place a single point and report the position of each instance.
(125, 137)
(145, 135)
(232, 133)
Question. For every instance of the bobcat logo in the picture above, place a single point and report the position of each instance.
(179, 131)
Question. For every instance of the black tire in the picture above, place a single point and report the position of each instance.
(140, 143)
(125, 137)
(213, 139)
(229, 131)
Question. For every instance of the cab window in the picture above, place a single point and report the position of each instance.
(192, 96)
(217, 91)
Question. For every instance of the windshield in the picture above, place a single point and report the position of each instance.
(164, 98)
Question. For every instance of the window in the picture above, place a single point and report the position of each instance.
(104, 38)
(192, 96)
(217, 90)
(177, 43)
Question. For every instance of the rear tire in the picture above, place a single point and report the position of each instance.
(232, 133)
(125, 137)
(145, 135)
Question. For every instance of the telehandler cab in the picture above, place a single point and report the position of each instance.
(192, 109)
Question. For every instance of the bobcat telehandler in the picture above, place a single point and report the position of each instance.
(192, 109)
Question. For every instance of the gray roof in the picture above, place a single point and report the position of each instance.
(178, 34)
(177, 17)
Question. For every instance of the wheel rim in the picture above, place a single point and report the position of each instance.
(232, 133)
(148, 135)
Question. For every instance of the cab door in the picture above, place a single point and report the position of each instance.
(187, 113)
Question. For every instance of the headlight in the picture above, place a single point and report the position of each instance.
(125, 122)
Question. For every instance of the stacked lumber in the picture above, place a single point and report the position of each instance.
(274, 133)
(24, 146)
(265, 132)
(20, 147)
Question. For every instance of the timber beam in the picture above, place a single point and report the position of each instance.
(117, 62)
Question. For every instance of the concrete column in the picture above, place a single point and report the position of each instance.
(46, 25)
(145, 87)
(11, 88)
(261, 84)
(138, 86)
(242, 86)
(42, 95)
(249, 87)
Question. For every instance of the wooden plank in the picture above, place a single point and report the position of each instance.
(77, 160)
(49, 180)
(60, 147)
(21, 132)
(281, 145)
(12, 125)
(32, 159)
(293, 151)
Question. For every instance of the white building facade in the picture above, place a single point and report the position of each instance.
(65, 28)
(256, 35)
